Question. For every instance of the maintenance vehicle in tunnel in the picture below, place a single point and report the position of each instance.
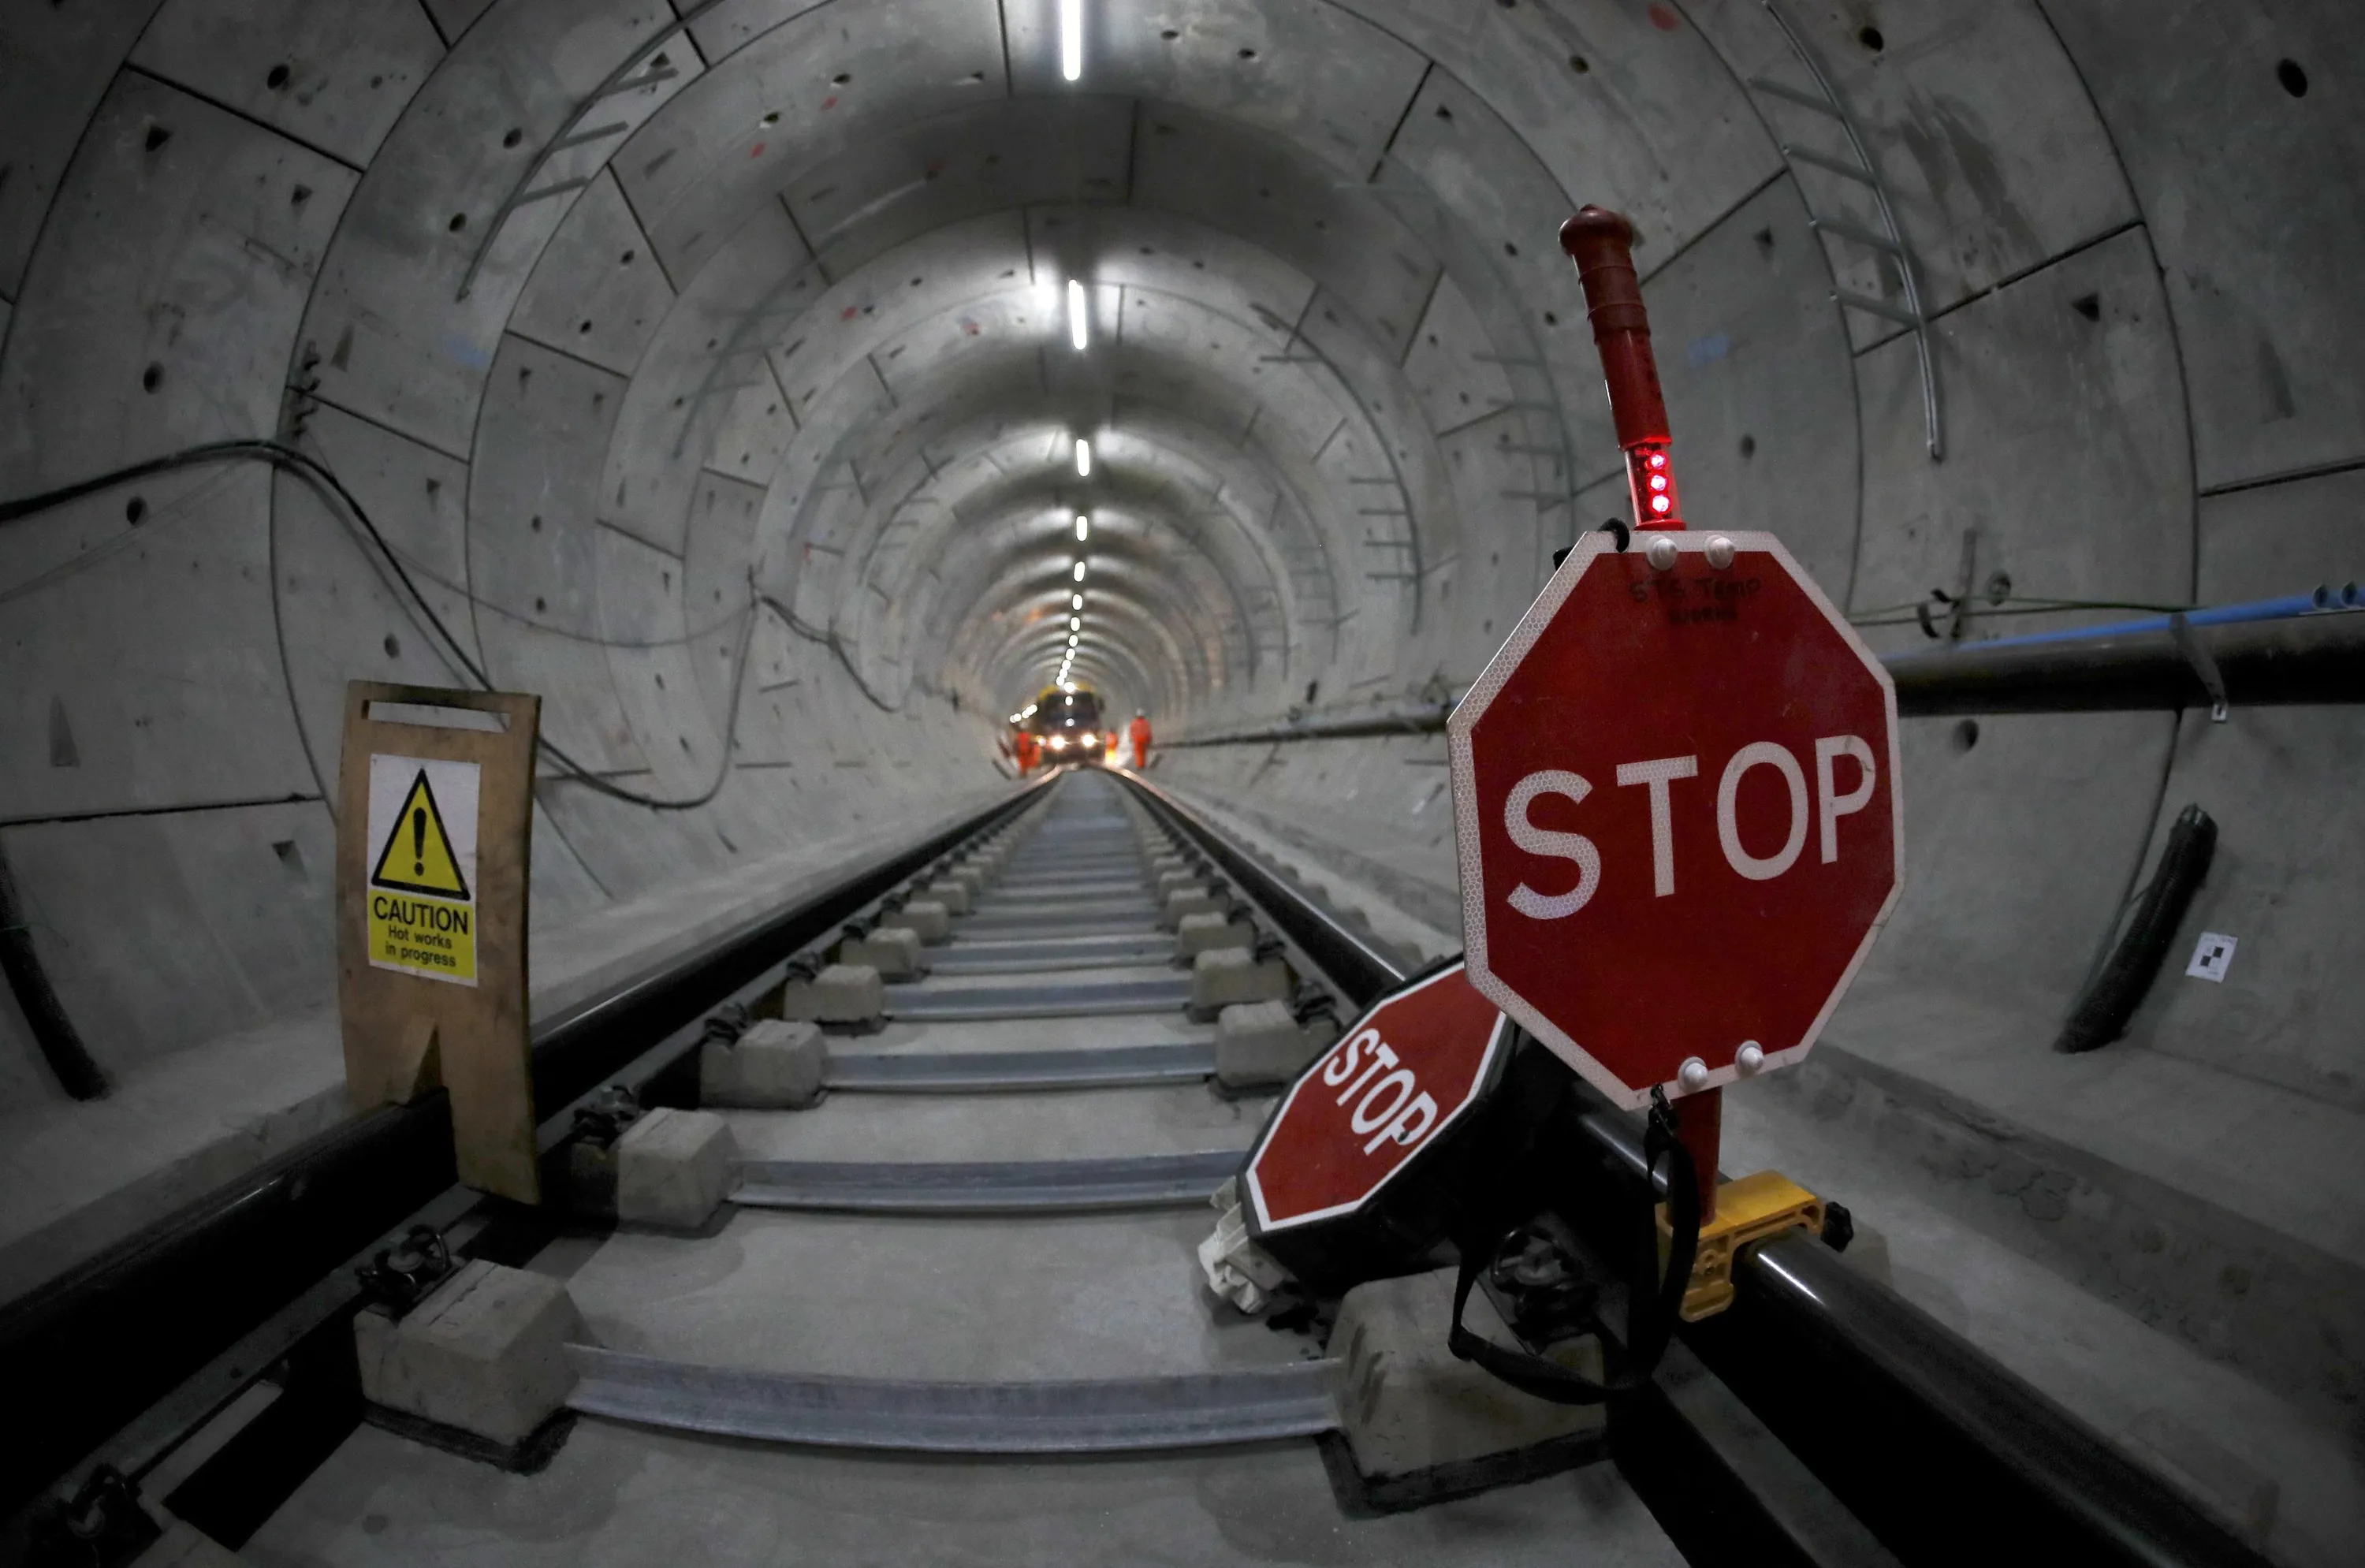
(1067, 721)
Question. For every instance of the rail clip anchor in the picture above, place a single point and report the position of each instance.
(1748, 1209)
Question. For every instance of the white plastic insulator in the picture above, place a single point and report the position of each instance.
(1692, 1075)
(1749, 1058)
(1661, 553)
(1719, 551)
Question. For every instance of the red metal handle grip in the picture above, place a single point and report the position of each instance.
(1601, 243)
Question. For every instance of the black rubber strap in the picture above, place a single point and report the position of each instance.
(1651, 1318)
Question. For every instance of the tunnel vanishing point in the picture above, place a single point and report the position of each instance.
(790, 393)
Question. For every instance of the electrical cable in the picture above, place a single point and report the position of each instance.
(279, 455)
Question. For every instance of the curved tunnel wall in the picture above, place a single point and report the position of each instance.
(748, 445)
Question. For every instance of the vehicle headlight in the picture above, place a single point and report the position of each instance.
(1093, 740)
(1058, 742)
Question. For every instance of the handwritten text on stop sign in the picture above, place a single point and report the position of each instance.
(1393, 1107)
(1659, 776)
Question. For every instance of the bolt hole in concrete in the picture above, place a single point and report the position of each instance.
(1967, 736)
(1579, 64)
(2089, 305)
(157, 137)
(1248, 54)
(299, 196)
(135, 511)
(840, 80)
(626, 259)
(2293, 79)
(539, 606)
(535, 523)
(151, 378)
(393, 646)
(1870, 37)
(277, 78)
(512, 137)
(459, 222)
(1749, 446)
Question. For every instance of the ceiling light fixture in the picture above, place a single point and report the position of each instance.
(1083, 458)
(1071, 39)
(1075, 622)
(1079, 571)
(1084, 528)
(1079, 327)
(1075, 602)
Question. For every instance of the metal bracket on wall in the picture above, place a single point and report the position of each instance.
(2204, 664)
(1889, 241)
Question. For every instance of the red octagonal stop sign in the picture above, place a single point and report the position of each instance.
(1674, 792)
(1389, 1088)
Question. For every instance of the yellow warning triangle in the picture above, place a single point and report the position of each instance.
(417, 855)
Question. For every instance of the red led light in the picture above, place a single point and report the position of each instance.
(1658, 481)
(1658, 503)
(1658, 460)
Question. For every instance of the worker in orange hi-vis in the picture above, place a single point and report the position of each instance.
(1140, 730)
(1026, 753)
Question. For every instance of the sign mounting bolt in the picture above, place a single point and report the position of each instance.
(1719, 551)
(1661, 553)
(1692, 1075)
(1749, 1058)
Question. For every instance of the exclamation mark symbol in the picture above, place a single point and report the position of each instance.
(418, 841)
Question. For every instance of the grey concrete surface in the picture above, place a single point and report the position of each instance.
(748, 445)
(618, 1496)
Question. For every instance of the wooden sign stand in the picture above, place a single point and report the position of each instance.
(434, 830)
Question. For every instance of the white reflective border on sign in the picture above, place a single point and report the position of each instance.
(1265, 1221)
(1589, 548)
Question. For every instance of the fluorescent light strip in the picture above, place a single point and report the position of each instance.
(1072, 40)
(1079, 322)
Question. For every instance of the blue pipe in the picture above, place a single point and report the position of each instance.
(2347, 596)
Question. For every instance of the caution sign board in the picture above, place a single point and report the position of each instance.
(422, 904)
(434, 835)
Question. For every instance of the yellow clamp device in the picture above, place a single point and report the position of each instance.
(1748, 1209)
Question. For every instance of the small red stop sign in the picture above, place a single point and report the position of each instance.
(1675, 795)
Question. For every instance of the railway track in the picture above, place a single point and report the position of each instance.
(952, 1312)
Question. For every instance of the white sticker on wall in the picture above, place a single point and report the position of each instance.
(2212, 957)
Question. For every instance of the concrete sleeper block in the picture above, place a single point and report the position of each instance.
(486, 1353)
(1199, 934)
(1192, 899)
(674, 1168)
(842, 993)
(1260, 1042)
(930, 920)
(1226, 975)
(893, 952)
(1407, 1406)
(775, 1065)
(954, 896)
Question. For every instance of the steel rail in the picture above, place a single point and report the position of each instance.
(986, 1187)
(124, 1331)
(1076, 1417)
(1900, 1416)
(974, 1072)
(1075, 999)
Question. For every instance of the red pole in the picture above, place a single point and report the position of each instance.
(1602, 244)
(1699, 1122)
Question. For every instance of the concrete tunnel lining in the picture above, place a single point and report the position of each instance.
(665, 463)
